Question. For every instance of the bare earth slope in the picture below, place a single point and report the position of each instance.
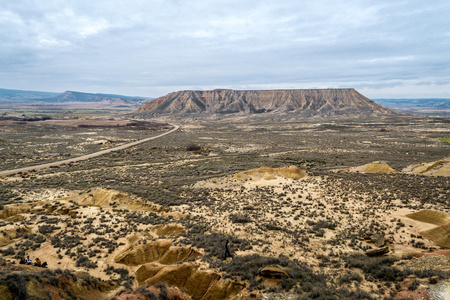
(302, 102)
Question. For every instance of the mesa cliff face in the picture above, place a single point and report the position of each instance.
(305, 102)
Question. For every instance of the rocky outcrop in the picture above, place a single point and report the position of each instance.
(160, 251)
(305, 103)
(198, 284)
(378, 251)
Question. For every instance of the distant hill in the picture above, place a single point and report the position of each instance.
(438, 107)
(71, 96)
(298, 103)
(69, 99)
(10, 96)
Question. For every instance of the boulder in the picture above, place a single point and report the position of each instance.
(274, 272)
(378, 251)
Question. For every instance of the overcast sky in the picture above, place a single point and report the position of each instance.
(149, 48)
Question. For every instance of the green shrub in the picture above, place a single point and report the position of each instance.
(17, 285)
(378, 268)
(238, 218)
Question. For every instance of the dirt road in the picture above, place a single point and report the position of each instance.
(85, 157)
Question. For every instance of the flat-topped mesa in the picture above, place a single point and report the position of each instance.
(304, 102)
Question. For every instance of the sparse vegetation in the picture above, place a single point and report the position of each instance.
(299, 226)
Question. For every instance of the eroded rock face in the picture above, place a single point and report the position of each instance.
(197, 283)
(307, 102)
(160, 251)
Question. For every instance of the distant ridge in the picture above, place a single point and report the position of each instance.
(9, 98)
(71, 96)
(299, 102)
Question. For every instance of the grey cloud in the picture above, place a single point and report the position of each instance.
(123, 47)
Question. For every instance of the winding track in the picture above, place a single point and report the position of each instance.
(87, 156)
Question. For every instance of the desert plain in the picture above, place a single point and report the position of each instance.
(304, 204)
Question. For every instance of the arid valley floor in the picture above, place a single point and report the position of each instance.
(153, 219)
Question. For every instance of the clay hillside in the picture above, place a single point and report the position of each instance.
(299, 102)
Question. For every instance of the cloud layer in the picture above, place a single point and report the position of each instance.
(149, 48)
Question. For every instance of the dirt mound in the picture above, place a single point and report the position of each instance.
(439, 235)
(266, 173)
(198, 284)
(379, 167)
(160, 251)
(111, 198)
(435, 168)
(430, 216)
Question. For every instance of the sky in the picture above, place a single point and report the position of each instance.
(383, 49)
